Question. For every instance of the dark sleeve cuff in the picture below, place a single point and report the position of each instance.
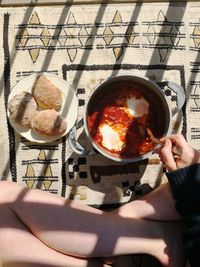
(185, 182)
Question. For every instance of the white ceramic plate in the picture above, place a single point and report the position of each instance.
(69, 109)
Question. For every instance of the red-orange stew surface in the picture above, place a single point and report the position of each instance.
(117, 118)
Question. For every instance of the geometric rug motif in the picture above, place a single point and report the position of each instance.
(85, 45)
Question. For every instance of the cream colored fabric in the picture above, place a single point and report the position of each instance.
(86, 45)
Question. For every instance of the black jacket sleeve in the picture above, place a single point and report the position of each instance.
(185, 186)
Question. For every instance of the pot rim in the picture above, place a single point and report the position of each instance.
(144, 81)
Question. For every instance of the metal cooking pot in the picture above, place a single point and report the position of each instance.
(153, 92)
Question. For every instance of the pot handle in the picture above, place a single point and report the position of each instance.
(74, 144)
(165, 85)
(168, 85)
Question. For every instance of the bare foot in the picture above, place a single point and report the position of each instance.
(170, 251)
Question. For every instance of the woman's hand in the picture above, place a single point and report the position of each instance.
(173, 162)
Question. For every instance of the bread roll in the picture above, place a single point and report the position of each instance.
(22, 108)
(47, 95)
(48, 122)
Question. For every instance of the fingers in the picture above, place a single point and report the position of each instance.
(177, 139)
(167, 156)
(174, 161)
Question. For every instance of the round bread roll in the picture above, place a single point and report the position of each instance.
(47, 95)
(48, 122)
(22, 108)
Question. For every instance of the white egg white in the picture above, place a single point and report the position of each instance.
(111, 138)
(137, 107)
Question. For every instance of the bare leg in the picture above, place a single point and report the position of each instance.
(20, 248)
(75, 229)
(157, 205)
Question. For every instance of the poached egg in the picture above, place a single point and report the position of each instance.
(137, 107)
(111, 138)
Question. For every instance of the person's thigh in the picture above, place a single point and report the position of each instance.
(19, 247)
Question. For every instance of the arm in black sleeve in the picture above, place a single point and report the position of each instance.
(185, 186)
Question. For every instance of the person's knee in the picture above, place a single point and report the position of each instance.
(8, 191)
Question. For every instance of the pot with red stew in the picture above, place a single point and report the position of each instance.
(118, 114)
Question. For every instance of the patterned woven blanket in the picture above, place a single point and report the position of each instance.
(85, 45)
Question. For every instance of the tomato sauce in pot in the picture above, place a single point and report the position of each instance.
(117, 118)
